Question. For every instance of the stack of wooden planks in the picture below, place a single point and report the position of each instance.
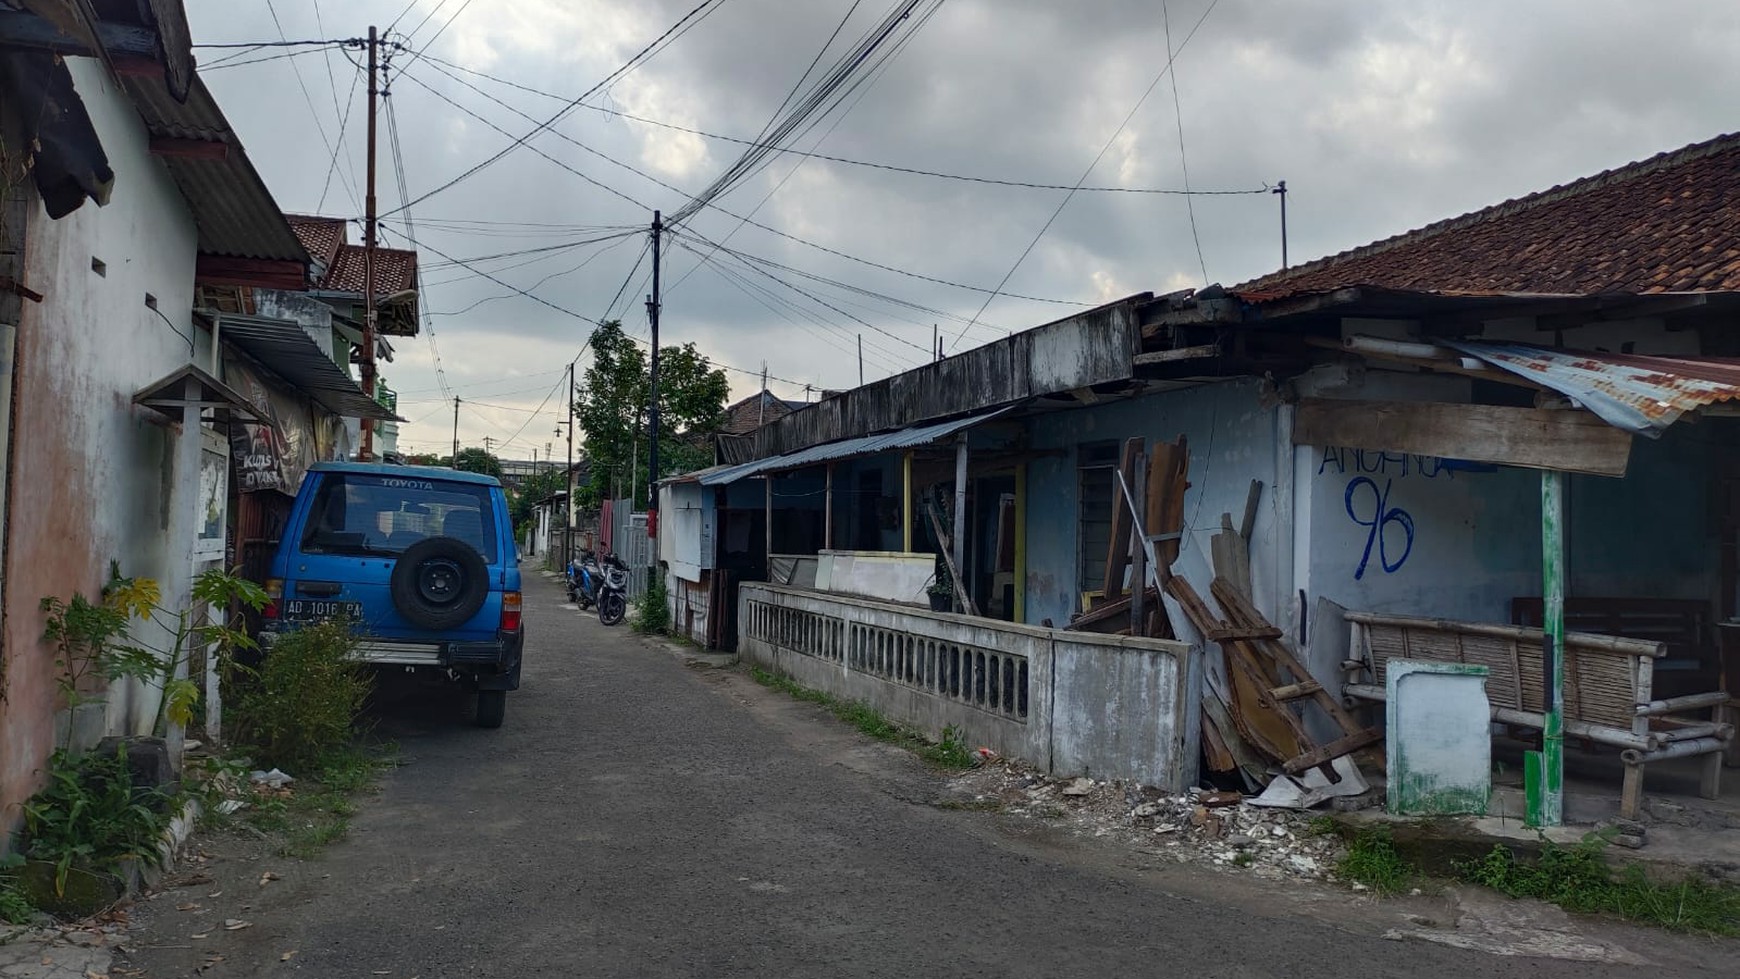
(1157, 480)
(1261, 713)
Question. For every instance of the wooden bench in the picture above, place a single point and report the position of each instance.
(1609, 696)
(1684, 626)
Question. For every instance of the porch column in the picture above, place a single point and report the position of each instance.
(767, 481)
(183, 531)
(1544, 771)
(1021, 542)
(960, 530)
(906, 502)
(828, 513)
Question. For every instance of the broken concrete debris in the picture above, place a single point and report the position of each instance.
(1201, 826)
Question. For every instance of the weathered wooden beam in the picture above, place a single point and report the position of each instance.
(262, 273)
(19, 29)
(1118, 545)
(189, 149)
(1181, 353)
(1566, 441)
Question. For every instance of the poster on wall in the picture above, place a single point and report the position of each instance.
(269, 455)
(214, 498)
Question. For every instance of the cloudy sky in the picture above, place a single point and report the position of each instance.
(1380, 116)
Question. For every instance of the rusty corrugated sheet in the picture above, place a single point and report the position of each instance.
(285, 348)
(1640, 394)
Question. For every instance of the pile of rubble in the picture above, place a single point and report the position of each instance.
(1202, 826)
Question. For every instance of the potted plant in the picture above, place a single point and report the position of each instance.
(941, 589)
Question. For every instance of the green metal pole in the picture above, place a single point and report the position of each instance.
(1545, 771)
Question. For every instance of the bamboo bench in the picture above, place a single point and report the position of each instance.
(1608, 689)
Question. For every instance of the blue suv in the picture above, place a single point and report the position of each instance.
(421, 559)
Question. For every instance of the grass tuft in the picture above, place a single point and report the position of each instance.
(1372, 860)
(950, 753)
(1578, 878)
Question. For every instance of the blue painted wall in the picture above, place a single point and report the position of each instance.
(1232, 438)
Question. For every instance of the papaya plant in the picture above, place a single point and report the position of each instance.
(98, 638)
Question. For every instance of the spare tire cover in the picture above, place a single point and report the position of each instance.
(439, 583)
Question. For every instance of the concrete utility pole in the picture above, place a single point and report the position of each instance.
(568, 501)
(367, 452)
(653, 303)
(454, 459)
(1281, 189)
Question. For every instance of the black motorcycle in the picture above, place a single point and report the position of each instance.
(611, 591)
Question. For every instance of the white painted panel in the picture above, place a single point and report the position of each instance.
(1439, 738)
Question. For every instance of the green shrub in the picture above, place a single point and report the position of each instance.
(89, 815)
(653, 613)
(298, 708)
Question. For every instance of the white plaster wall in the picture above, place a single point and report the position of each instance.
(95, 476)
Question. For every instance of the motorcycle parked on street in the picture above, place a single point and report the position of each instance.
(583, 576)
(601, 584)
(611, 592)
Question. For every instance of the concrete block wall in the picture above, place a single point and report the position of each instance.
(1069, 703)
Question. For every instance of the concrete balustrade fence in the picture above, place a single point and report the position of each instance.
(1071, 703)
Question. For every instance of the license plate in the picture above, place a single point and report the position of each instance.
(314, 610)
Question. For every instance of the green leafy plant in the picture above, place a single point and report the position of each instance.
(940, 582)
(83, 634)
(1372, 860)
(215, 593)
(299, 707)
(951, 751)
(1578, 878)
(91, 815)
(652, 614)
(98, 639)
(15, 908)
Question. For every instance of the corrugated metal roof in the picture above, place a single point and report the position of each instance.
(904, 438)
(232, 208)
(1640, 394)
(284, 348)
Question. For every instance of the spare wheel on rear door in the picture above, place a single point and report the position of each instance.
(439, 583)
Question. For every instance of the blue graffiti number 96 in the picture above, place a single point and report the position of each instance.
(1380, 520)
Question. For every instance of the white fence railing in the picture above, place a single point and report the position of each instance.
(1069, 702)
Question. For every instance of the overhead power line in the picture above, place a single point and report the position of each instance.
(819, 100)
(723, 210)
(1171, 56)
(1178, 113)
(830, 158)
(302, 84)
(699, 10)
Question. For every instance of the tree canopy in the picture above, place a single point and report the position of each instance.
(610, 406)
(475, 460)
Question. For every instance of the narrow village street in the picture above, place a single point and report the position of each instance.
(639, 817)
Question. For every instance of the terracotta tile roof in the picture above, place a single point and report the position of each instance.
(747, 415)
(395, 271)
(323, 237)
(1665, 224)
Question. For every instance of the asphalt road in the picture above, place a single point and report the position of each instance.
(639, 817)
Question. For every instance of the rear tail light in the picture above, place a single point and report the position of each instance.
(274, 595)
(510, 611)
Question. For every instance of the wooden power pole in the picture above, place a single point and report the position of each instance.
(367, 453)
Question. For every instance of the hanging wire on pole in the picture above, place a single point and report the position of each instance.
(1171, 56)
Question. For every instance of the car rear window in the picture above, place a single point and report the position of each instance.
(360, 514)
